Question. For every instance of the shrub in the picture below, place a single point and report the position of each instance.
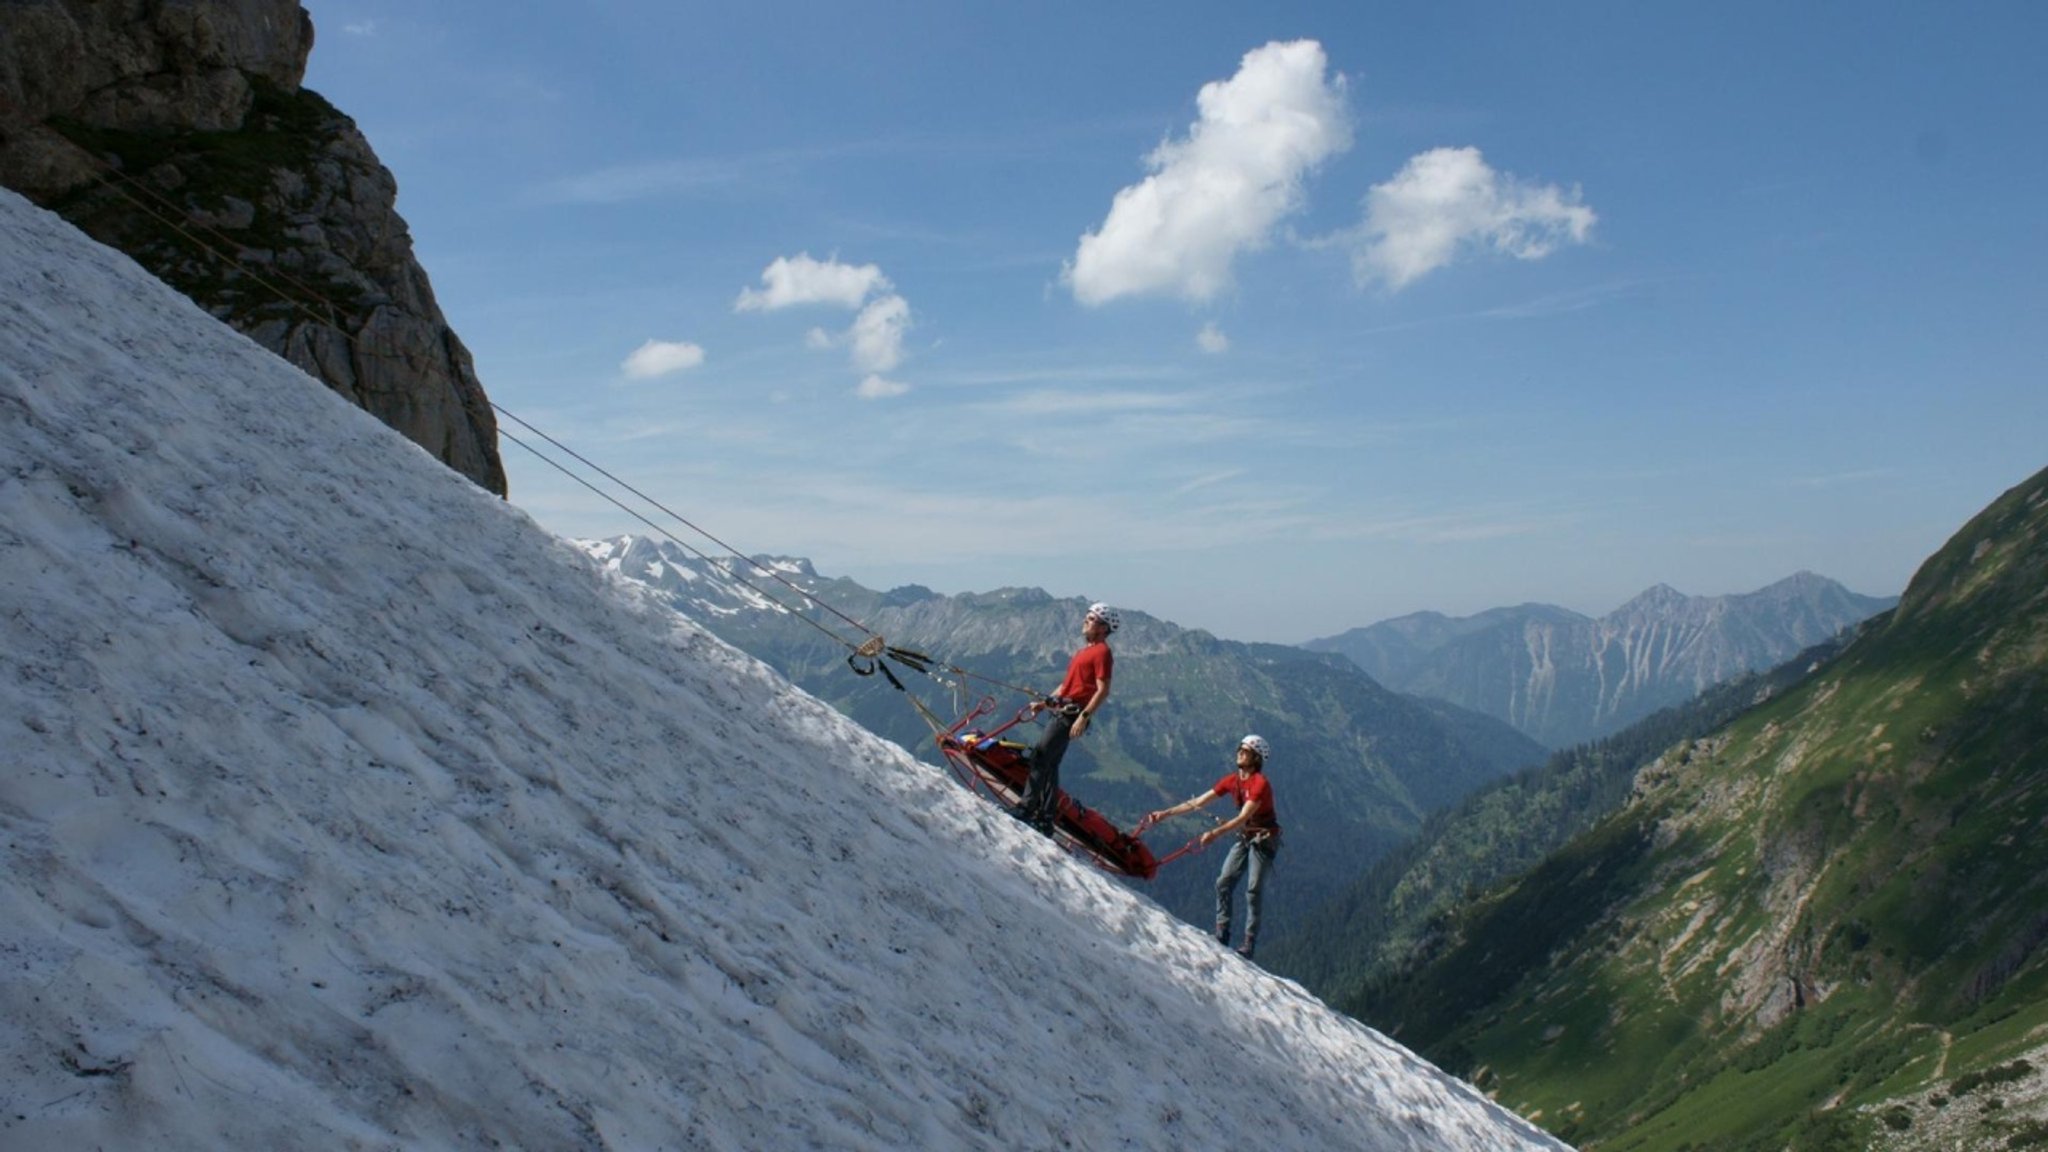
(1969, 1082)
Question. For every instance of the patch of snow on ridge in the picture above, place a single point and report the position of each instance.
(358, 815)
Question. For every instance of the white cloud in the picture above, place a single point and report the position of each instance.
(364, 28)
(874, 340)
(1212, 340)
(876, 388)
(661, 357)
(877, 334)
(1447, 201)
(794, 280)
(1221, 190)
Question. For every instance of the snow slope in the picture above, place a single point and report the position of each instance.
(342, 807)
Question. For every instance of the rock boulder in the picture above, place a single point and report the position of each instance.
(179, 131)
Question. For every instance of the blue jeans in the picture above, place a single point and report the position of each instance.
(1259, 854)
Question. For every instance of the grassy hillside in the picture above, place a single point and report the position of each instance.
(1839, 899)
(1377, 925)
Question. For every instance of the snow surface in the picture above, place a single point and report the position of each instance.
(343, 807)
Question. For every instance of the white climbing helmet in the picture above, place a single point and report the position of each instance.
(1259, 747)
(1106, 614)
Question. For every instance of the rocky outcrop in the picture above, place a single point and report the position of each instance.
(179, 132)
(1563, 678)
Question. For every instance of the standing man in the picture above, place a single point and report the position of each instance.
(1073, 709)
(1258, 837)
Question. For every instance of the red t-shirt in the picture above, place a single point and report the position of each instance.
(1089, 667)
(1256, 789)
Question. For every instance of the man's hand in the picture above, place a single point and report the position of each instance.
(1079, 726)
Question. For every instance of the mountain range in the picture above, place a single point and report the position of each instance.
(1563, 678)
(1823, 925)
(1379, 924)
(1356, 767)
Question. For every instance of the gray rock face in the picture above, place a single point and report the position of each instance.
(1562, 678)
(177, 131)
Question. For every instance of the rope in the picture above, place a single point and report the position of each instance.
(873, 650)
(699, 553)
(680, 519)
(329, 320)
(1194, 845)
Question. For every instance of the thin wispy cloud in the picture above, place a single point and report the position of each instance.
(1838, 479)
(789, 168)
(1145, 450)
(1448, 202)
(1561, 303)
(1223, 188)
(1212, 340)
(750, 172)
(1137, 459)
(1207, 480)
(626, 183)
(1065, 402)
(862, 517)
(1066, 374)
(876, 388)
(1444, 526)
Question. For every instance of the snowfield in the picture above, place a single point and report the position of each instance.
(341, 806)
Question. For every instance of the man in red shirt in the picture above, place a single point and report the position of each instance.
(1073, 708)
(1258, 837)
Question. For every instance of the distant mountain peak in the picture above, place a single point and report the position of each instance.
(1563, 678)
(787, 565)
(1657, 597)
(908, 594)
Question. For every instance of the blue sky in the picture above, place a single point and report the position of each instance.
(1273, 320)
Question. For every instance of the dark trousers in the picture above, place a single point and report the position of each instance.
(1041, 799)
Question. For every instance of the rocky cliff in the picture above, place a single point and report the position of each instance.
(1563, 679)
(178, 131)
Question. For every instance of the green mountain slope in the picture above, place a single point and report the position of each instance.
(1376, 926)
(1838, 899)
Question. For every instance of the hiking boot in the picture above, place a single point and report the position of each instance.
(1245, 949)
